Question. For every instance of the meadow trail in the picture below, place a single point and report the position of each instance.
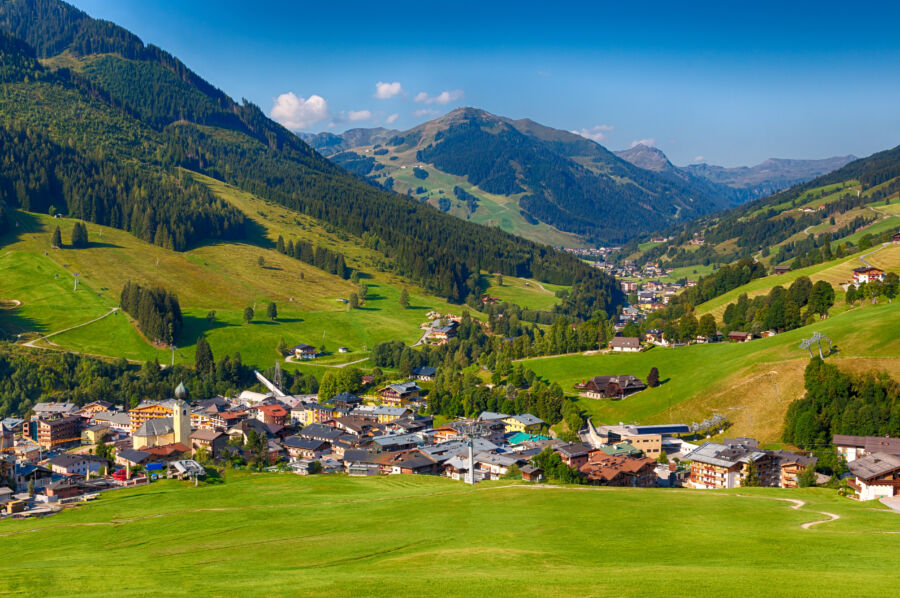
(31, 344)
(797, 504)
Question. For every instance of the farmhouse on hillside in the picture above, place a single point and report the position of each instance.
(625, 343)
(303, 351)
(600, 387)
(867, 274)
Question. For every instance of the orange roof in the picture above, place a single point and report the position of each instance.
(273, 410)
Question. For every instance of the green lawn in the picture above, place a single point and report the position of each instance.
(750, 383)
(282, 535)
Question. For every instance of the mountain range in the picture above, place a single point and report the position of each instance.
(102, 127)
(548, 184)
(748, 182)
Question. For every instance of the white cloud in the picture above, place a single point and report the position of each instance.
(392, 119)
(299, 113)
(699, 158)
(385, 91)
(648, 142)
(355, 115)
(445, 97)
(425, 112)
(596, 133)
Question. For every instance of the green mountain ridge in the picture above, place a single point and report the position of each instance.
(112, 100)
(546, 175)
(850, 207)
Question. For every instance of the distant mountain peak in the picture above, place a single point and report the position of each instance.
(647, 157)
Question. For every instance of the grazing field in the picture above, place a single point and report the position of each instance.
(224, 277)
(282, 535)
(750, 383)
(835, 272)
(526, 293)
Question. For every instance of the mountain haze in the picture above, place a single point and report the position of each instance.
(745, 183)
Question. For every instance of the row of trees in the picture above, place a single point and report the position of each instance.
(874, 290)
(802, 303)
(79, 236)
(323, 258)
(28, 377)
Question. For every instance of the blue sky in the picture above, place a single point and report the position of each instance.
(701, 81)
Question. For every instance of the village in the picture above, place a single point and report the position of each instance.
(63, 454)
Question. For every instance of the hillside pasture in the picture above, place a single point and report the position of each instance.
(428, 536)
(750, 383)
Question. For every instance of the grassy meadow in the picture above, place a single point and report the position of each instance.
(750, 383)
(224, 277)
(283, 535)
(835, 272)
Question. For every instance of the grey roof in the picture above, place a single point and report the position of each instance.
(133, 456)
(303, 444)
(528, 419)
(156, 427)
(504, 459)
(714, 453)
(574, 450)
(490, 416)
(871, 444)
(345, 397)
(402, 387)
(321, 431)
(424, 371)
(359, 456)
(117, 418)
(397, 439)
(874, 465)
(385, 410)
(67, 459)
(628, 342)
(450, 448)
(44, 407)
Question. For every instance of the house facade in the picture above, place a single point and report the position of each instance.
(600, 387)
(876, 476)
(629, 344)
(867, 274)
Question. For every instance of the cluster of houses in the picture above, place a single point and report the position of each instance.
(440, 328)
(49, 458)
(653, 295)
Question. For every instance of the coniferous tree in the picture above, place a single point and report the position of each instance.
(272, 311)
(203, 357)
(56, 238)
(353, 301)
(404, 299)
(79, 236)
(653, 378)
(248, 314)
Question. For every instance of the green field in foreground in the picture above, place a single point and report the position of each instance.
(283, 535)
(750, 383)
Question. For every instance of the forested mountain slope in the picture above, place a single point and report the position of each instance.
(520, 173)
(836, 214)
(105, 112)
